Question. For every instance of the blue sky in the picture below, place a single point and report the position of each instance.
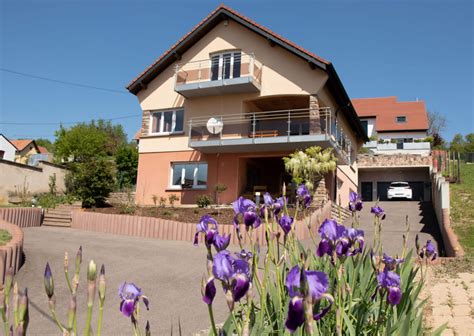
(410, 49)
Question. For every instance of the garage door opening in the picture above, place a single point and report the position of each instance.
(418, 191)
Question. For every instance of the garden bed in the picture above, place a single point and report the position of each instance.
(185, 215)
(5, 237)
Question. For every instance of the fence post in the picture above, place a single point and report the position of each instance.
(459, 169)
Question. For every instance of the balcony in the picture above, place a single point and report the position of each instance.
(267, 131)
(423, 148)
(232, 72)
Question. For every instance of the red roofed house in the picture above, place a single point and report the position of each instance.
(227, 102)
(399, 152)
(394, 126)
(24, 149)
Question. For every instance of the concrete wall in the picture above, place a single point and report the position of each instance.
(402, 135)
(15, 176)
(8, 148)
(441, 204)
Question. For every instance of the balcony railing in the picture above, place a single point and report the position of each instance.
(400, 147)
(298, 126)
(232, 72)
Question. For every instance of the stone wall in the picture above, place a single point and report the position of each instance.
(121, 198)
(393, 160)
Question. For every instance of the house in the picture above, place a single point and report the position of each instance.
(7, 149)
(398, 148)
(394, 126)
(227, 102)
(25, 148)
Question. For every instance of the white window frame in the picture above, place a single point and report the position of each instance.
(161, 122)
(221, 62)
(183, 174)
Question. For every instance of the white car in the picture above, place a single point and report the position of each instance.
(399, 190)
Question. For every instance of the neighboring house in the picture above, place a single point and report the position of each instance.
(7, 149)
(393, 126)
(25, 148)
(227, 102)
(398, 131)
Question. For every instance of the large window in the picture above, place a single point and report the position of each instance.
(188, 175)
(365, 126)
(167, 122)
(226, 65)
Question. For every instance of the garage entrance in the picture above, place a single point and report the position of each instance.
(418, 190)
(367, 191)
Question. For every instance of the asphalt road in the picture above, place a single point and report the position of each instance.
(421, 218)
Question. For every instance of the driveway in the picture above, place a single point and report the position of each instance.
(421, 218)
(168, 272)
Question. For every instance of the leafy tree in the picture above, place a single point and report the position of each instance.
(46, 144)
(457, 144)
(310, 166)
(126, 161)
(91, 180)
(469, 145)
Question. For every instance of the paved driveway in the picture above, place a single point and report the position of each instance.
(422, 221)
(168, 272)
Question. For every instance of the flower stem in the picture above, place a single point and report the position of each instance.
(6, 327)
(88, 320)
(211, 317)
(101, 315)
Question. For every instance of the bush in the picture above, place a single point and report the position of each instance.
(172, 198)
(203, 201)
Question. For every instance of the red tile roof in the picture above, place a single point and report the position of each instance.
(242, 17)
(21, 144)
(43, 150)
(386, 110)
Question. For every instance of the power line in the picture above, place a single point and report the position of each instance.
(62, 82)
(67, 122)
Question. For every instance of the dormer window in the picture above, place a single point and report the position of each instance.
(401, 119)
(226, 65)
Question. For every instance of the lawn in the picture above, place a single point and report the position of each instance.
(462, 208)
(5, 237)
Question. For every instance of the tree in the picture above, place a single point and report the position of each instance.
(126, 161)
(46, 144)
(469, 143)
(457, 144)
(436, 125)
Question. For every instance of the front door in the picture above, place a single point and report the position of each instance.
(366, 191)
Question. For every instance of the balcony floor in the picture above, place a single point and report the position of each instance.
(218, 87)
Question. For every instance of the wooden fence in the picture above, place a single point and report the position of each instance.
(22, 217)
(158, 228)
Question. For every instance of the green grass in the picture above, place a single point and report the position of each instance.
(5, 237)
(462, 208)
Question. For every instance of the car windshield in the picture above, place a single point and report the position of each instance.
(399, 185)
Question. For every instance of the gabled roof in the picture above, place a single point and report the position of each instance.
(21, 144)
(223, 12)
(43, 150)
(386, 110)
(8, 140)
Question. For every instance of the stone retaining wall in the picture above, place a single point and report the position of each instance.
(11, 254)
(22, 217)
(158, 228)
(393, 160)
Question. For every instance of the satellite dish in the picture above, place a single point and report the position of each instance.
(214, 125)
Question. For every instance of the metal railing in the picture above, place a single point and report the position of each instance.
(241, 65)
(267, 124)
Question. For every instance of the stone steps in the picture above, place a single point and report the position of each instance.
(344, 213)
(61, 215)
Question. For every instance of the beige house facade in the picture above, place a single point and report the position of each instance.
(227, 102)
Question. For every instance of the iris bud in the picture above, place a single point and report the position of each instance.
(102, 283)
(92, 271)
(78, 259)
(48, 281)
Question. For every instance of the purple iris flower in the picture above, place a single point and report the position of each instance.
(311, 285)
(337, 238)
(271, 204)
(390, 282)
(355, 202)
(209, 292)
(285, 223)
(391, 263)
(204, 227)
(221, 242)
(248, 210)
(429, 250)
(234, 272)
(378, 212)
(356, 237)
(303, 194)
(130, 295)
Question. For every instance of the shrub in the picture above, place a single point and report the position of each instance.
(166, 213)
(203, 201)
(172, 198)
(162, 202)
(52, 184)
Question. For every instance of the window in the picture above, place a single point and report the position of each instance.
(2, 154)
(365, 124)
(167, 122)
(401, 119)
(226, 65)
(188, 175)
